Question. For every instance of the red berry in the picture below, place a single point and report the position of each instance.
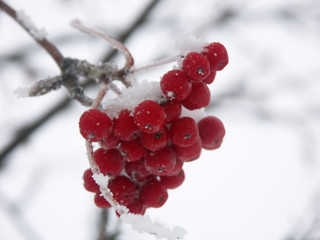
(172, 109)
(149, 116)
(177, 168)
(101, 202)
(210, 78)
(217, 55)
(172, 182)
(211, 131)
(189, 153)
(155, 141)
(89, 183)
(153, 194)
(175, 85)
(198, 98)
(132, 150)
(124, 126)
(123, 190)
(160, 162)
(95, 125)
(136, 170)
(184, 132)
(110, 142)
(109, 161)
(196, 66)
(136, 207)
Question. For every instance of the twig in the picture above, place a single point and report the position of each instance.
(118, 45)
(156, 64)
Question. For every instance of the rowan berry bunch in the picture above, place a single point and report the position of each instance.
(143, 150)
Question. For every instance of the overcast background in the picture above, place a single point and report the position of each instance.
(262, 184)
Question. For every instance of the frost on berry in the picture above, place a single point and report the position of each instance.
(211, 131)
(124, 126)
(184, 132)
(153, 194)
(110, 161)
(132, 150)
(175, 84)
(95, 125)
(149, 116)
(198, 98)
(160, 162)
(89, 183)
(155, 141)
(123, 190)
(196, 66)
(217, 55)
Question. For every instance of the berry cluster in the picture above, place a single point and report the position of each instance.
(143, 151)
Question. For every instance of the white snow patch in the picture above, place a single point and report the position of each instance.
(101, 180)
(21, 92)
(26, 21)
(144, 224)
(132, 96)
(196, 114)
(189, 43)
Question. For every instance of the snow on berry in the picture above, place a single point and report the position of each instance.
(217, 55)
(196, 66)
(149, 116)
(175, 84)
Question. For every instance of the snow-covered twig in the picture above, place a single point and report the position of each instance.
(116, 44)
(156, 64)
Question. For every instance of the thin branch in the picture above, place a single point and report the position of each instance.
(156, 64)
(115, 43)
(44, 43)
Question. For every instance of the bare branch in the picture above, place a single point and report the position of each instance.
(44, 43)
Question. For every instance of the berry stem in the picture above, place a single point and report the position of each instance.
(115, 43)
(156, 64)
(102, 92)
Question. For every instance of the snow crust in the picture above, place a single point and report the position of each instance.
(26, 21)
(144, 224)
(21, 92)
(189, 43)
(196, 114)
(132, 96)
